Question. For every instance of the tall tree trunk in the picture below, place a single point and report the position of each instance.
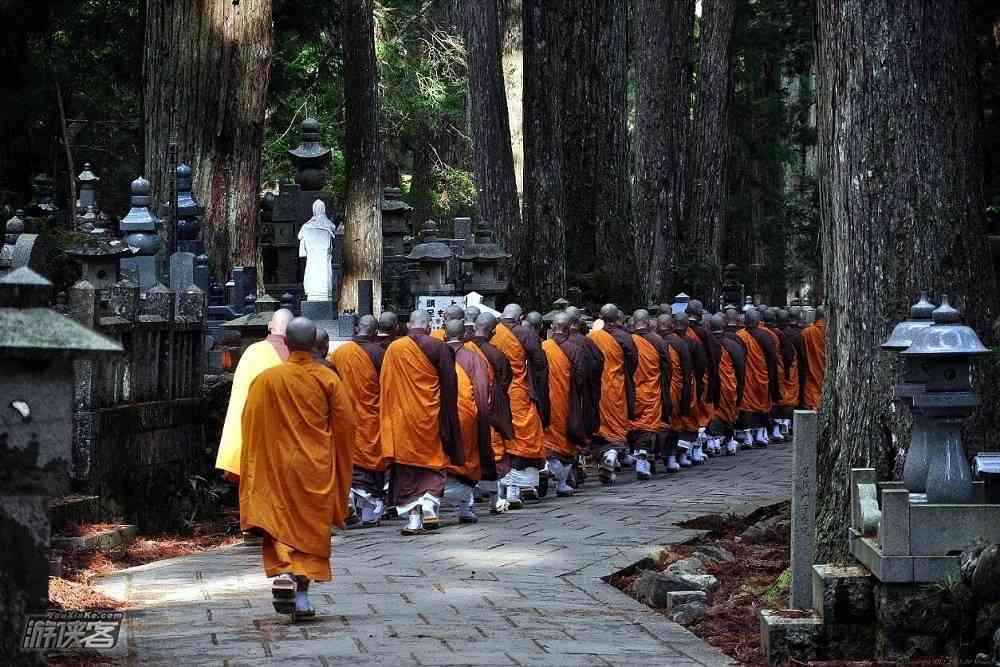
(493, 162)
(599, 239)
(362, 158)
(901, 208)
(664, 84)
(206, 69)
(512, 38)
(544, 219)
(709, 150)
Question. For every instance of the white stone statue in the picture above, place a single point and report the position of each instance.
(316, 245)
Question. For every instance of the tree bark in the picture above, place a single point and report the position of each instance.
(544, 265)
(664, 84)
(709, 150)
(362, 158)
(493, 162)
(513, 75)
(901, 208)
(599, 239)
(206, 70)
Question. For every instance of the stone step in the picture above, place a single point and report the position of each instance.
(102, 541)
(78, 509)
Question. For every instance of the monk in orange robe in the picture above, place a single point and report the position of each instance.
(650, 384)
(707, 443)
(358, 362)
(452, 312)
(617, 390)
(473, 416)
(388, 325)
(682, 426)
(814, 342)
(761, 391)
(529, 404)
(788, 374)
(298, 435)
(732, 378)
(499, 375)
(419, 422)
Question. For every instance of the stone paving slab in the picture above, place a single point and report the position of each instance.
(523, 588)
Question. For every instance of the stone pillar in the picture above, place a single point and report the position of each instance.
(803, 508)
(125, 299)
(181, 270)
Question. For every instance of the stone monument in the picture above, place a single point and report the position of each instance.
(140, 227)
(316, 239)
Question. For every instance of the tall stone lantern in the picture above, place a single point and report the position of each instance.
(431, 256)
(140, 228)
(87, 184)
(482, 265)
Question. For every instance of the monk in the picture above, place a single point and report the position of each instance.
(699, 401)
(256, 359)
(499, 375)
(358, 362)
(388, 322)
(793, 330)
(682, 431)
(653, 365)
(788, 372)
(814, 342)
(452, 312)
(590, 399)
(617, 391)
(529, 403)
(418, 416)
(732, 378)
(471, 313)
(761, 389)
(699, 327)
(535, 321)
(298, 431)
(473, 416)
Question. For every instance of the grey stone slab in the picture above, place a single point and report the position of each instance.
(803, 509)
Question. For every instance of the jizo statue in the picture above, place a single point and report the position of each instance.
(316, 245)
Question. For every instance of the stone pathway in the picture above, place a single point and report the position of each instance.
(523, 588)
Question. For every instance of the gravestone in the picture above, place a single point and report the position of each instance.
(181, 270)
(202, 274)
(803, 508)
(140, 227)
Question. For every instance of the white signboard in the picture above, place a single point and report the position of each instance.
(436, 305)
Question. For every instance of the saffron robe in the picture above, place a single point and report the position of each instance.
(814, 342)
(473, 408)
(439, 334)
(699, 359)
(712, 354)
(359, 363)
(648, 396)
(256, 359)
(788, 370)
(778, 360)
(761, 372)
(528, 441)
(557, 440)
(617, 383)
(298, 434)
(730, 382)
(418, 400)
(587, 382)
(500, 376)
(681, 385)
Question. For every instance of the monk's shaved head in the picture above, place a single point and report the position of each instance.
(820, 312)
(471, 313)
(575, 317)
(665, 309)
(485, 325)
(454, 312)
(279, 321)
(695, 309)
(322, 343)
(716, 323)
(782, 316)
(640, 320)
(301, 335)
(560, 323)
(454, 329)
(732, 318)
(680, 322)
(511, 312)
(771, 315)
(665, 323)
(795, 313)
(534, 320)
(610, 313)
(367, 325)
(419, 319)
(387, 322)
(752, 318)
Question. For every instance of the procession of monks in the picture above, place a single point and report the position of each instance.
(393, 423)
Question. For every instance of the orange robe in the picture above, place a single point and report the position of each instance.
(814, 341)
(779, 360)
(699, 400)
(756, 392)
(648, 399)
(560, 370)
(615, 423)
(678, 420)
(360, 376)
(298, 435)
(788, 375)
(419, 422)
(728, 408)
(468, 419)
(496, 440)
(438, 333)
(529, 440)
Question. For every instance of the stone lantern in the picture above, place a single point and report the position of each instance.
(943, 352)
(42, 197)
(189, 211)
(482, 265)
(37, 349)
(99, 257)
(732, 289)
(680, 304)
(431, 256)
(915, 468)
(86, 189)
(395, 222)
(558, 306)
(311, 157)
(140, 228)
(747, 303)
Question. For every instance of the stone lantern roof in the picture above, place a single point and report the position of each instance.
(392, 201)
(311, 147)
(484, 248)
(29, 329)
(431, 248)
(87, 176)
(558, 306)
(98, 246)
